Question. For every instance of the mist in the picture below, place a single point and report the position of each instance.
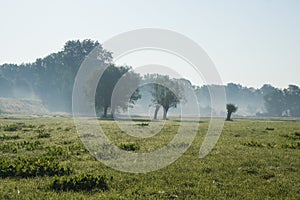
(45, 87)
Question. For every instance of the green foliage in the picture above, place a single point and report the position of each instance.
(9, 137)
(11, 128)
(166, 92)
(106, 85)
(253, 144)
(293, 136)
(29, 145)
(85, 182)
(44, 135)
(14, 147)
(292, 145)
(8, 148)
(31, 167)
(16, 127)
(129, 147)
(231, 108)
(66, 151)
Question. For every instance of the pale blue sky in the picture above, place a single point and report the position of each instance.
(250, 41)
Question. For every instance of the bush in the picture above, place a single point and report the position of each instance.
(8, 148)
(9, 137)
(16, 126)
(13, 147)
(11, 128)
(29, 146)
(292, 145)
(31, 167)
(253, 144)
(43, 135)
(78, 183)
(294, 136)
(129, 147)
(56, 151)
(143, 124)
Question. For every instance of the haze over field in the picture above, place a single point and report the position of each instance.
(51, 79)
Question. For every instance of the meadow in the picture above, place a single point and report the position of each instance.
(44, 158)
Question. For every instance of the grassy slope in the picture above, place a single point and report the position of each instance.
(248, 162)
(22, 106)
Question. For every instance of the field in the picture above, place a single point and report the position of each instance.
(43, 158)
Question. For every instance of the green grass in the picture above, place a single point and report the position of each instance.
(253, 159)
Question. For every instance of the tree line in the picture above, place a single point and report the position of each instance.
(51, 79)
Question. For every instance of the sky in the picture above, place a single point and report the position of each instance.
(251, 42)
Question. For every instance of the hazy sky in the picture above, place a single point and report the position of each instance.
(250, 41)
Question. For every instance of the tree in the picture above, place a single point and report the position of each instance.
(267, 89)
(275, 103)
(292, 100)
(55, 74)
(231, 108)
(166, 93)
(106, 85)
(126, 91)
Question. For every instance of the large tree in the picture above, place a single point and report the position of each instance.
(167, 93)
(106, 85)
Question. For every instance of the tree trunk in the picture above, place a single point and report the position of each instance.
(165, 113)
(228, 116)
(156, 111)
(105, 111)
(113, 111)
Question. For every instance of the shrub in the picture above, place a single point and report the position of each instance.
(129, 147)
(8, 148)
(31, 167)
(43, 135)
(253, 144)
(292, 145)
(270, 129)
(294, 136)
(56, 151)
(268, 176)
(29, 146)
(11, 128)
(67, 129)
(9, 137)
(143, 124)
(16, 126)
(78, 183)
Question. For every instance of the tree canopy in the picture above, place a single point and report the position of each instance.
(106, 85)
(231, 108)
(167, 93)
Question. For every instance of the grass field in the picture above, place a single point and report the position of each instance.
(43, 158)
